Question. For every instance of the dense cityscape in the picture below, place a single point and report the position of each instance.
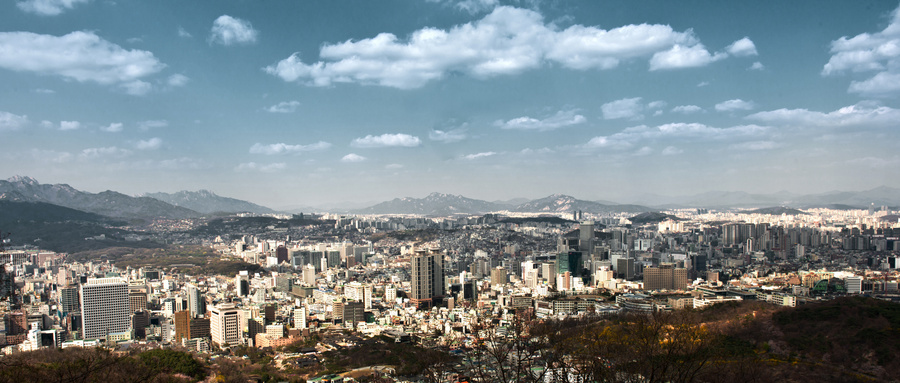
(449, 191)
(301, 286)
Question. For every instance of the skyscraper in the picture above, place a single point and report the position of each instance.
(427, 277)
(104, 307)
(224, 325)
(666, 276)
(195, 303)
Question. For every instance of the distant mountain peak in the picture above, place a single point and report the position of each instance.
(23, 180)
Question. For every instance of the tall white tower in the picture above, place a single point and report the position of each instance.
(104, 307)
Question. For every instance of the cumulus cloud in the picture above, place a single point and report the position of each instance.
(353, 157)
(9, 121)
(507, 41)
(253, 166)
(884, 83)
(757, 66)
(861, 115)
(733, 105)
(561, 119)
(184, 33)
(477, 6)
(112, 128)
(69, 125)
(692, 132)
(742, 47)
(151, 144)
(110, 151)
(680, 56)
(448, 136)
(386, 140)
(50, 156)
(869, 52)
(282, 148)
(629, 108)
(48, 7)
(177, 80)
(671, 151)
(644, 151)
(284, 107)
(755, 145)
(478, 155)
(687, 109)
(151, 124)
(79, 56)
(227, 30)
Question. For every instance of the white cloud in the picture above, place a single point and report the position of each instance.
(656, 105)
(253, 166)
(48, 7)
(112, 128)
(44, 91)
(692, 132)
(69, 125)
(742, 47)
(353, 157)
(386, 140)
(507, 41)
(184, 33)
(477, 6)
(561, 119)
(680, 56)
(755, 145)
(284, 107)
(449, 136)
(702, 84)
(876, 162)
(151, 144)
(79, 56)
(671, 151)
(736, 104)
(176, 80)
(393, 166)
(644, 151)
(882, 84)
(150, 124)
(282, 148)
(137, 87)
(51, 155)
(869, 52)
(687, 109)
(478, 155)
(227, 30)
(110, 151)
(629, 108)
(9, 121)
(861, 115)
(757, 66)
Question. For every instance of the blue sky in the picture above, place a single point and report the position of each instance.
(307, 103)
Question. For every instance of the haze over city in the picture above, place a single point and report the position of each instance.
(320, 102)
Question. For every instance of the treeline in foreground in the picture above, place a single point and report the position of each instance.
(847, 339)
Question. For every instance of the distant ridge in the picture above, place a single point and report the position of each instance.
(207, 202)
(107, 203)
(433, 204)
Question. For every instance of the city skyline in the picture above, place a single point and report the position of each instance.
(316, 103)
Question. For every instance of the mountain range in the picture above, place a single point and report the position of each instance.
(207, 202)
(188, 204)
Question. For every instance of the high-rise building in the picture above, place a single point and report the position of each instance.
(300, 317)
(137, 300)
(68, 299)
(309, 275)
(182, 325)
(427, 277)
(498, 276)
(195, 303)
(104, 307)
(224, 325)
(666, 276)
(586, 237)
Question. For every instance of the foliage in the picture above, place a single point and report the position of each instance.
(172, 362)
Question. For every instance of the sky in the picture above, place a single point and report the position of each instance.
(310, 103)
